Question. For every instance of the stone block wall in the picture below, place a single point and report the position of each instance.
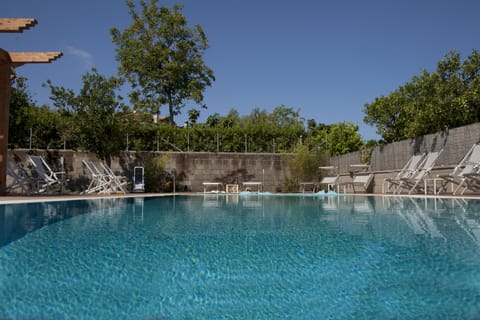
(193, 168)
(229, 168)
(387, 160)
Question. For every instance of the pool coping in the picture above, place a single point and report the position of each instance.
(73, 197)
(53, 198)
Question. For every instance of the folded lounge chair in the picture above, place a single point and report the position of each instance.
(407, 171)
(417, 179)
(45, 177)
(466, 175)
(99, 182)
(21, 176)
(117, 183)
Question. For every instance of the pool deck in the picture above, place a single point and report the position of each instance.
(71, 197)
(60, 197)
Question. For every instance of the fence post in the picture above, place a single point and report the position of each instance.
(246, 148)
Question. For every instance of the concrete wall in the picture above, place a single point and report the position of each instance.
(387, 160)
(230, 168)
(193, 168)
(234, 168)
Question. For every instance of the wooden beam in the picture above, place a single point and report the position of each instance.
(20, 58)
(16, 24)
(8, 61)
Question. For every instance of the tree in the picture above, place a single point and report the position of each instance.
(20, 105)
(44, 123)
(344, 138)
(213, 120)
(162, 58)
(193, 115)
(231, 119)
(431, 102)
(283, 116)
(97, 113)
(304, 165)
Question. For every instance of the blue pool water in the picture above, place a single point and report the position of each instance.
(241, 257)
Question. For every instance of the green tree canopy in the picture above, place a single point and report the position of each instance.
(344, 138)
(25, 118)
(97, 111)
(449, 97)
(20, 106)
(162, 58)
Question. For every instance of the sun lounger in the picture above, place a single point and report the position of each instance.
(407, 171)
(362, 180)
(466, 174)
(99, 182)
(329, 180)
(305, 186)
(21, 176)
(118, 183)
(45, 178)
(207, 187)
(417, 180)
(249, 184)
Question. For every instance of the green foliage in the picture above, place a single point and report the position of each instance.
(367, 151)
(431, 102)
(193, 115)
(162, 58)
(303, 166)
(96, 120)
(25, 116)
(344, 138)
(156, 178)
(97, 112)
(290, 184)
(21, 106)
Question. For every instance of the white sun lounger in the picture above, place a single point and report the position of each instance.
(330, 180)
(45, 178)
(466, 174)
(207, 187)
(407, 171)
(21, 177)
(417, 180)
(117, 182)
(362, 180)
(250, 184)
(99, 182)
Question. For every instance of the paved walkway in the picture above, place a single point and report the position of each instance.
(43, 197)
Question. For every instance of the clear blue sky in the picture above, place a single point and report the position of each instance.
(326, 58)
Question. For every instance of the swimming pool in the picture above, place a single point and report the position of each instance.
(241, 257)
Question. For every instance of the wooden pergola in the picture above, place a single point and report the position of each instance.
(8, 62)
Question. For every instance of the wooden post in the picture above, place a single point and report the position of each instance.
(5, 90)
(8, 61)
